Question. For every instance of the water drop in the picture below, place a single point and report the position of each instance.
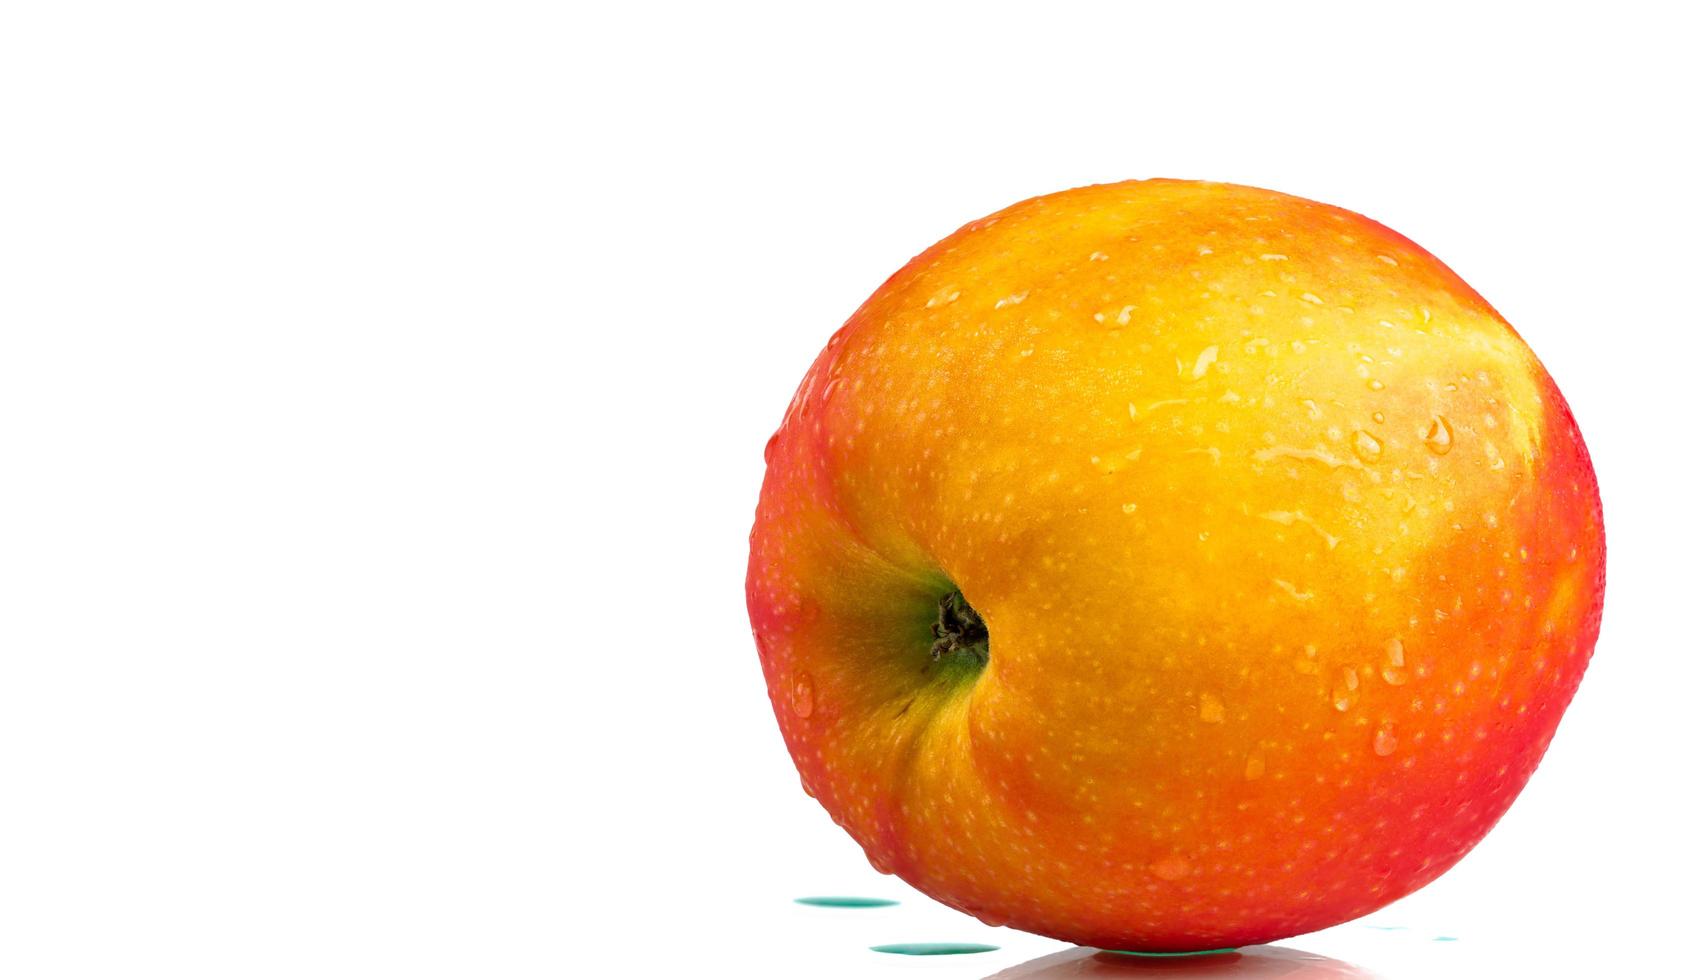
(1366, 446)
(1345, 692)
(1203, 362)
(1376, 385)
(770, 448)
(1171, 868)
(1438, 437)
(1385, 741)
(1376, 417)
(1210, 709)
(933, 949)
(802, 697)
(1394, 672)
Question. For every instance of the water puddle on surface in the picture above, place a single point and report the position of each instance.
(934, 949)
(845, 902)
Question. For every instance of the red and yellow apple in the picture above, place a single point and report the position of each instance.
(1169, 565)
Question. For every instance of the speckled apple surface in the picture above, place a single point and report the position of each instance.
(1277, 552)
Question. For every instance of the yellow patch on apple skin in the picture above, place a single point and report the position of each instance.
(1495, 374)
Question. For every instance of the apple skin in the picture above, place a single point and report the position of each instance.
(1289, 552)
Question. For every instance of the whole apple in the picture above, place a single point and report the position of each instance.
(1169, 565)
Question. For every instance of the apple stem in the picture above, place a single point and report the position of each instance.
(959, 630)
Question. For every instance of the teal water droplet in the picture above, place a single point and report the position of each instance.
(934, 949)
(1163, 956)
(1446, 939)
(845, 902)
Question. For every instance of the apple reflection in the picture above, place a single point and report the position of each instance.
(1251, 963)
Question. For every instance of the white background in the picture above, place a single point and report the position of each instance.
(382, 393)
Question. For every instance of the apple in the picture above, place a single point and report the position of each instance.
(1168, 565)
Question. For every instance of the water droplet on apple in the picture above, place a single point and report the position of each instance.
(770, 447)
(1366, 446)
(1378, 417)
(988, 917)
(878, 864)
(1394, 670)
(1345, 692)
(1385, 741)
(1438, 436)
(802, 697)
(1171, 868)
(1202, 363)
